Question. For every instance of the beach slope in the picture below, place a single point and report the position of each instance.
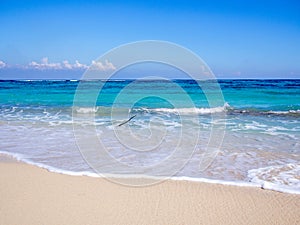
(31, 195)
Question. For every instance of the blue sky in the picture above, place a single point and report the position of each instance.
(237, 39)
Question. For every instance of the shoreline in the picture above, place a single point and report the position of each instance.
(33, 195)
(15, 157)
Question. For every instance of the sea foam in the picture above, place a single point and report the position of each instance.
(284, 182)
(285, 178)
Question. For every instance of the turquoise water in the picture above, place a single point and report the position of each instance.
(261, 121)
(256, 95)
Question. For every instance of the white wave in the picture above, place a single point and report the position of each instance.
(186, 111)
(284, 178)
(285, 112)
(86, 110)
(22, 158)
(254, 182)
(117, 80)
(181, 111)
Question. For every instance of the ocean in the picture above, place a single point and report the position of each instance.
(157, 128)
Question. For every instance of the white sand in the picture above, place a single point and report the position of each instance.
(31, 195)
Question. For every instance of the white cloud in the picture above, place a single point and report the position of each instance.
(98, 65)
(78, 65)
(2, 64)
(67, 65)
(64, 65)
(44, 64)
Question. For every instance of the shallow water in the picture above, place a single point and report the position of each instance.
(260, 121)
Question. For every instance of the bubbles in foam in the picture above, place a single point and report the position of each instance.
(282, 178)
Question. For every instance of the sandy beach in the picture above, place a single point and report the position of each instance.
(31, 195)
(149, 112)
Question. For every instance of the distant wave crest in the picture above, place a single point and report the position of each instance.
(183, 111)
